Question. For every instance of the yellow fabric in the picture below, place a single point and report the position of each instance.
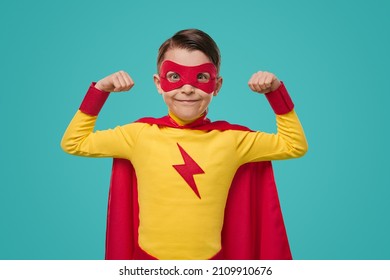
(174, 222)
(180, 121)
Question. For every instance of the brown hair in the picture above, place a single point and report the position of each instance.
(191, 39)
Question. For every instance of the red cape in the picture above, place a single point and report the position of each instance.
(253, 227)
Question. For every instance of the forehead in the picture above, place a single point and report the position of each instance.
(186, 57)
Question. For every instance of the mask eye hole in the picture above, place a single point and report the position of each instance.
(173, 77)
(203, 77)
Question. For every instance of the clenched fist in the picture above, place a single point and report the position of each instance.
(119, 81)
(263, 82)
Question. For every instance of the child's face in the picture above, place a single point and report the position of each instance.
(187, 102)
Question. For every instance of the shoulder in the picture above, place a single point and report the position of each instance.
(224, 125)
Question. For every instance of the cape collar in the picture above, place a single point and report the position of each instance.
(199, 122)
(202, 123)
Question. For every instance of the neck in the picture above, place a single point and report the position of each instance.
(182, 122)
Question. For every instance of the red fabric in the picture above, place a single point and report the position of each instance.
(122, 214)
(188, 169)
(93, 101)
(188, 75)
(280, 100)
(253, 226)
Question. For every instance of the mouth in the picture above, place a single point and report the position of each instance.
(187, 100)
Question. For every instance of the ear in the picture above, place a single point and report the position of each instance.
(156, 79)
(218, 86)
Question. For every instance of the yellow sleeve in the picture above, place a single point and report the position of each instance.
(80, 138)
(288, 142)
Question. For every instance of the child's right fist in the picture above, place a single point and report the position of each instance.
(119, 81)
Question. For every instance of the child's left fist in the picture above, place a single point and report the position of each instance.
(263, 82)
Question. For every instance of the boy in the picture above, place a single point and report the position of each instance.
(185, 168)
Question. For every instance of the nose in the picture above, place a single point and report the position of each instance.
(187, 89)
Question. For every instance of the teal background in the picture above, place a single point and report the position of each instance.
(332, 55)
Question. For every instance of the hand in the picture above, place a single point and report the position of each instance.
(119, 81)
(263, 82)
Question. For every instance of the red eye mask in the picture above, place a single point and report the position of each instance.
(188, 75)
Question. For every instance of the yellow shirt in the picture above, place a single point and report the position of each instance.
(176, 223)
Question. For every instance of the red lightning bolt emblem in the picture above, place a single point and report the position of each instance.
(188, 170)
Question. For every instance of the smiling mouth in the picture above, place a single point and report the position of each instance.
(189, 101)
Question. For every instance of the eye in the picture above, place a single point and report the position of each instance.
(203, 77)
(173, 77)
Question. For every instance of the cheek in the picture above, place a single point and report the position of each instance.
(165, 97)
(206, 99)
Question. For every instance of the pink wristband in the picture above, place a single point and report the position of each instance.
(280, 100)
(93, 101)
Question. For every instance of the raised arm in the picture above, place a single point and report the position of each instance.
(80, 138)
(289, 141)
